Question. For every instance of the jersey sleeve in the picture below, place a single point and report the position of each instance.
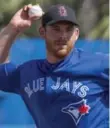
(9, 78)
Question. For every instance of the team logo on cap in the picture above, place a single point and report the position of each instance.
(76, 110)
(62, 11)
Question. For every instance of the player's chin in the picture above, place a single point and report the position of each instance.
(61, 53)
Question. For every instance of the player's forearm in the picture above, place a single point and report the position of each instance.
(7, 37)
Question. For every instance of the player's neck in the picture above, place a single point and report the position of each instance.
(52, 59)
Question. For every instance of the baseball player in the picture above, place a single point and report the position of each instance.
(68, 89)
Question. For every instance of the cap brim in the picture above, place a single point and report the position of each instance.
(55, 21)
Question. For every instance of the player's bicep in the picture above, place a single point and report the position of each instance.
(9, 78)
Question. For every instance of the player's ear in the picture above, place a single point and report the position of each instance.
(42, 32)
(76, 33)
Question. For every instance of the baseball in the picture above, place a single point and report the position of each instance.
(35, 11)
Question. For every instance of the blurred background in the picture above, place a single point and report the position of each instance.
(93, 17)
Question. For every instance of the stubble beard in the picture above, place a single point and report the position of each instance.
(59, 53)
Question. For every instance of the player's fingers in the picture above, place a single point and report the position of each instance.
(29, 5)
(26, 7)
(34, 18)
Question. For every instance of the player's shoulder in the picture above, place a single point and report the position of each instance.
(98, 56)
(96, 61)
